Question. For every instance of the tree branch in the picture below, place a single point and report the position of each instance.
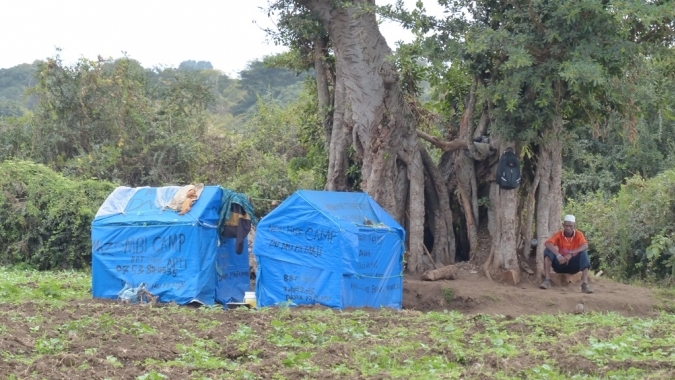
(536, 22)
(466, 124)
(446, 146)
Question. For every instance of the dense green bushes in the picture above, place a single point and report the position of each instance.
(98, 121)
(45, 218)
(632, 234)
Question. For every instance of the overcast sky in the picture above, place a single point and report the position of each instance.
(228, 33)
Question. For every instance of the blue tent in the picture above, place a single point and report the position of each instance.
(331, 248)
(180, 258)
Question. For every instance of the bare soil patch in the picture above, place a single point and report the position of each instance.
(474, 293)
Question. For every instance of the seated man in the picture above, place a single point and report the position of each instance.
(566, 251)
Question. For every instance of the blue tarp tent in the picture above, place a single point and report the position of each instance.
(331, 248)
(180, 258)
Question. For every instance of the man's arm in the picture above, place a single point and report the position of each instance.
(581, 248)
(553, 248)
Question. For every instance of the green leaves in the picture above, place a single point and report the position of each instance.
(45, 218)
(519, 57)
(49, 345)
(153, 343)
(632, 233)
(296, 360)
(578, 73)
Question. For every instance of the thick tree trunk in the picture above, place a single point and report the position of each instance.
(503, 221)
(549, 196)
(372, 114)
(338, 157)
(439, 207)
(466, 172)
(415, 210)
(529, 220)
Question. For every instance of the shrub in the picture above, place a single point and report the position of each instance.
(632, 233)
(45, 218)
(448, 295)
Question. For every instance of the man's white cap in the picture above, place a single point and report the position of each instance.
(570, 218)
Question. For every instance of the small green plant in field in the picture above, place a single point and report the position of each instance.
(244, 375)
(49, 345)
(544, 371)
(138, 328)
(666, 299)
(300, 361)
(296, 360)
(208, 324)
(152, 375)
(448, 295)
(242, 338)
(114, 361)
(50, 290)
(343, 370)
(106, 321)
(200, 354)
(83, 367)
(243, 332)
(281, 335)
(8, 291)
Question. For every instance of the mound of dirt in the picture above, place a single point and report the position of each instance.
(474, 293)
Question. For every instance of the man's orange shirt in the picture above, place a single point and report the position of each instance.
(566, 244)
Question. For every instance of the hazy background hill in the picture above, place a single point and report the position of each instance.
(235, 96)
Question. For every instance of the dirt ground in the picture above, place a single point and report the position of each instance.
(109, 342)
(96, 339)
(474, 293)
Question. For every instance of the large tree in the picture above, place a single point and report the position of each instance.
(544, 67)
(536, 68)
(371, 117)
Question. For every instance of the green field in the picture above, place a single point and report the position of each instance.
(51, 328)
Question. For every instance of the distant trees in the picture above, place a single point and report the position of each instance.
(105, 120)
(259, 80)
(13, 84)
(195, 66)
(115, 120)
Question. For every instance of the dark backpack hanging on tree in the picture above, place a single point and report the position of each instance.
(508, 170)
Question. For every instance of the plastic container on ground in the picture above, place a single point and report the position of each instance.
(249, 298)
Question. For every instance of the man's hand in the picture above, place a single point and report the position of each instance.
(562, 260)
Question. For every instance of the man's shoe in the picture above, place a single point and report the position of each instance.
(546, 284)
(585, 288)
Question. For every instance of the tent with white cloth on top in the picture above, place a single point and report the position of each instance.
(137, 238)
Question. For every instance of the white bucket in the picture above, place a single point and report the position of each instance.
(249, 299)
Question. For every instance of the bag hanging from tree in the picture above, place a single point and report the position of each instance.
(508, 170)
